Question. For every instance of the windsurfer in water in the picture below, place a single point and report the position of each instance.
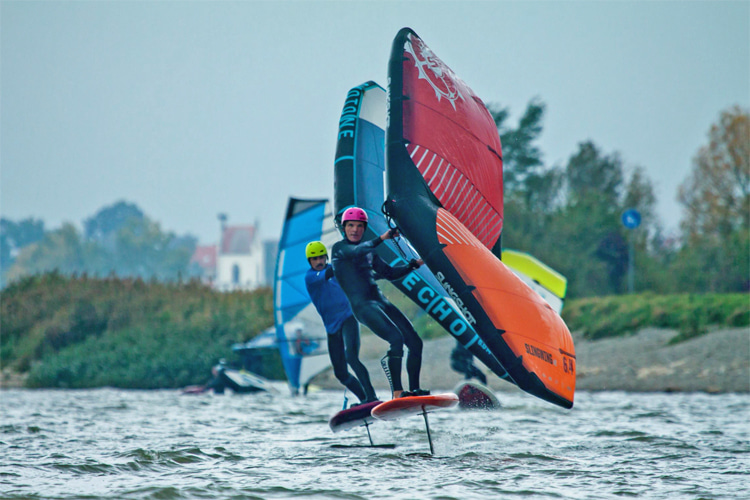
(356, 266)
(342, 327)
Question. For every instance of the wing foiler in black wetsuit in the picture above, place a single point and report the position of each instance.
(356, 267)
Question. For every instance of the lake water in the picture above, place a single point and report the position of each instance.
(115, 444)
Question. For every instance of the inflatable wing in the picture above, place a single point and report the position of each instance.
(444, 179)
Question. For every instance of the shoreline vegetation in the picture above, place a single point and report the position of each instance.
(79, 332)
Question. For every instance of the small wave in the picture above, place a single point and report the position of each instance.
(535, 456)
(155, 492)
(150, 459)
(88, 468)
(608, 433)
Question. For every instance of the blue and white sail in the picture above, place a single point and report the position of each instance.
(299, 329)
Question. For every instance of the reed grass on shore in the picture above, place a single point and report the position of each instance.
(76, 332)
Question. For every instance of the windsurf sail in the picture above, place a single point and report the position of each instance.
(264, 340)
(359, 180)
(300, 332)
(444, 179)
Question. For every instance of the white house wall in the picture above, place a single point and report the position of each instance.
(251, 270)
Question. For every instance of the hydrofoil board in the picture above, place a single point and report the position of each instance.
(413, 405)
(353, 417)
(475, 396)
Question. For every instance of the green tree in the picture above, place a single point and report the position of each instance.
(121, 240)
(716, 195)
(521, 156)
(570, 217)
(104, 225)
(63, 250)
(19, 234)
(13, 237)
(716, 198)
(588, 228)
(142, 249)
(594, 179)
(531, 191)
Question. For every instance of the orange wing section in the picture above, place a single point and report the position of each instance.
(532, 328)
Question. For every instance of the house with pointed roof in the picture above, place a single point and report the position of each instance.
(240, 263)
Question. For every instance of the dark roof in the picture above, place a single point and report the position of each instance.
(237, 239)
(205, 256)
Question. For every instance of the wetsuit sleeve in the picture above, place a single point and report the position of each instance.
(347, 252)
(314, 279)
(390, 273)
(329, 272)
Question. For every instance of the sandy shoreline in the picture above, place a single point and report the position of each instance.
(716, 362)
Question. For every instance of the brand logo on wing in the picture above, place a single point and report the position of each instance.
(541, 354)
(432, 69)
(456, 298)
(348, 119)
(446, 311)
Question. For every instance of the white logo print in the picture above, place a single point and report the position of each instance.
(432, 69)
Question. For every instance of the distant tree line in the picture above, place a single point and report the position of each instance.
(568, 216)
(118, 240)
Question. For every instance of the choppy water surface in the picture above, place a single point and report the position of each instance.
(112, 444)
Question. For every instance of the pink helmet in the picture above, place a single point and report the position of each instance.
(355, 214)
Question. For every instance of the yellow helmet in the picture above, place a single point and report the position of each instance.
(315, 249)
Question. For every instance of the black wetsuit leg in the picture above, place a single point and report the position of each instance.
(413, 344)
(350, 334)
(474, 372)
(338, 360)
(462, 361)
(372, 314)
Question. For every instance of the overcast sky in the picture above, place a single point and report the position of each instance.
(190, 109)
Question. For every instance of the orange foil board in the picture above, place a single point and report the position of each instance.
(412, 405)
(533, 329)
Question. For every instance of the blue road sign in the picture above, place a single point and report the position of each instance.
(631, 218)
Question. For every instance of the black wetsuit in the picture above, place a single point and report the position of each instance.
(356, 267)
(343, 348)
(462, 361)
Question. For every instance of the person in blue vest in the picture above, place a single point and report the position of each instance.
(339, 321)
(356, 267)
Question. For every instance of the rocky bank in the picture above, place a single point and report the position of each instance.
(715, 362)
